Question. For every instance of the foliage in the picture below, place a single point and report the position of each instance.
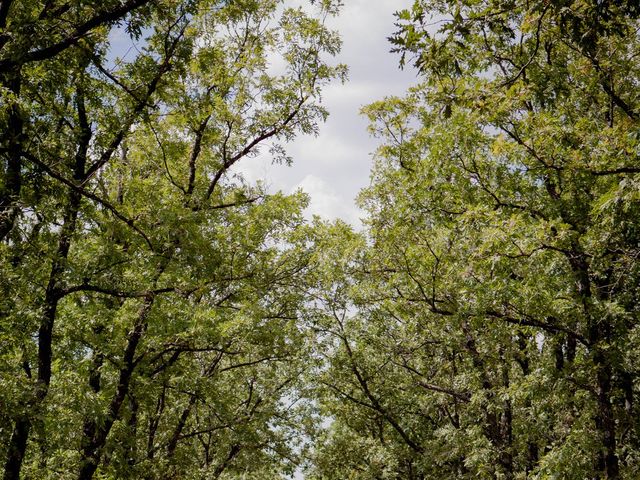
(162, 318)
(150, 296)
(487, 327)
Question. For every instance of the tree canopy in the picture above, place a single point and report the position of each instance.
(149, 293)
(486, 326)
(162, 317)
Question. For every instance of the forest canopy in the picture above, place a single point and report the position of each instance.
(162, 317)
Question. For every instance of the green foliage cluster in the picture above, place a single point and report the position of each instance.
(486, 323)
(161, 318)
(150, 296)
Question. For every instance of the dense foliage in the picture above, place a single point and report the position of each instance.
(162, 318)
(487, 326)
(149, 294)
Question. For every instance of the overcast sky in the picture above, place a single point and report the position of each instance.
(335, 165)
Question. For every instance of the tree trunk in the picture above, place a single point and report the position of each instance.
(17, 448)
(95, 432)
(598, 335)
(19, 439)
(12, 181)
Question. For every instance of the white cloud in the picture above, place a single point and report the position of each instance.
(325, 201)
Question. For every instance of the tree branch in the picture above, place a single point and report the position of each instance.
(80, 31)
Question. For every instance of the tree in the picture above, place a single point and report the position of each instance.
(494, 310)
(150, 295)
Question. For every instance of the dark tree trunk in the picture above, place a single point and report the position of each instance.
(18, 443)
(175, 437)
(505, 428)
(12, 138)
(95, 432)
(154, 421)
(17, 448)
(235, 449)
(598, 333)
